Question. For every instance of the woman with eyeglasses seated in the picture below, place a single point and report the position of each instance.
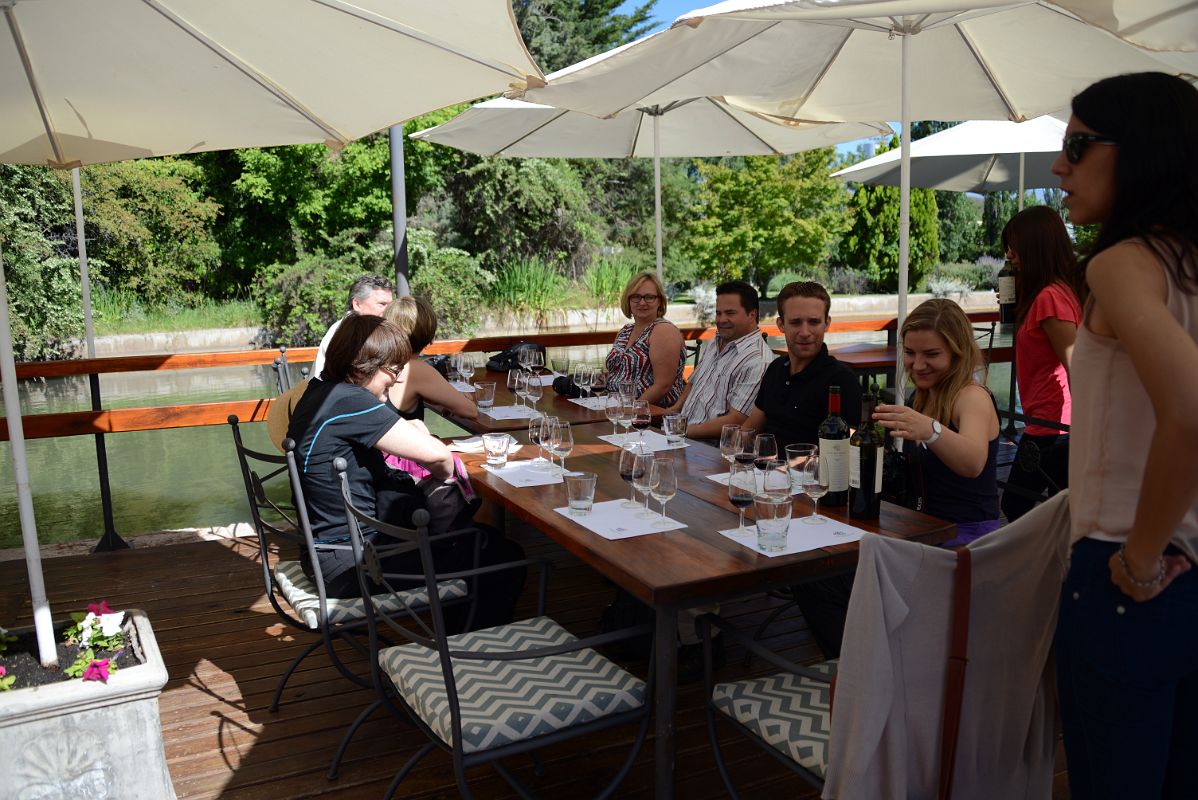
(1127, 653)
(345, 415)
(649, 352)
(420, 381)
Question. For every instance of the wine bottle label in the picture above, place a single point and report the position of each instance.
(1006, 290)
(855, 470)
(834, 457)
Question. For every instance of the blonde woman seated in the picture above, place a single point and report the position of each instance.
(420, 382)
(649, 352)
(951, 427)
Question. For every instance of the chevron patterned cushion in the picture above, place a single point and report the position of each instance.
(298, 590)
(788, 712)
(508, 701)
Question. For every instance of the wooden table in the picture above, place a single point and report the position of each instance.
(551, 403)
(680, 569)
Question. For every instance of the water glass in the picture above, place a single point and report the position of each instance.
(496, 446)
(773, 522)
(580, 489)
(484, 394)
(674, 427)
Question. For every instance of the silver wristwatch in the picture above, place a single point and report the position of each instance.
(936, 431)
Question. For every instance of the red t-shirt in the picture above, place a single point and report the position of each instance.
(1043, 383)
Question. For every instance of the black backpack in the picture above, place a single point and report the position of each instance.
(508, 359)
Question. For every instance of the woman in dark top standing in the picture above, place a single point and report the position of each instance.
(951, 427)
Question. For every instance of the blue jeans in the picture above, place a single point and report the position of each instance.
(1127, 673)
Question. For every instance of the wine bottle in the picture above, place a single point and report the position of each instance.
(1006, 294)
(865, 464)
(834, 451)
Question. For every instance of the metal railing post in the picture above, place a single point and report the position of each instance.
(111, 540)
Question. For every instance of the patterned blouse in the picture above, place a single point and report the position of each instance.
(629, 361)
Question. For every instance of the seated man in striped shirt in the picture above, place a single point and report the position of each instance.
(723, 387)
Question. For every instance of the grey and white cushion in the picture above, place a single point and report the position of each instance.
(788, 712)
(300, 593)
(503, 702)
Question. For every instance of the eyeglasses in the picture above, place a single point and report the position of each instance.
(643, 298)
(1075, 144)
(392, 371)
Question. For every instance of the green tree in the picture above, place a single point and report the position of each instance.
(767, 216)
(960, 226)
(563, 32)
(872, 242)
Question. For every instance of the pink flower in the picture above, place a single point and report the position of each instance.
(97, 670)
(99, 608)
(3, 672)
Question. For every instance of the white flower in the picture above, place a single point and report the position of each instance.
(85, 629)
(110, 624)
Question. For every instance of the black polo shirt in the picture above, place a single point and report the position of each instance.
(795, 405)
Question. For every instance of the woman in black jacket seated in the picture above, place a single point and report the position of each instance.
(345, 415)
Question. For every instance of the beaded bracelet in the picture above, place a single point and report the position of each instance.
(1160, 575)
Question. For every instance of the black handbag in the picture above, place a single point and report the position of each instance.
(565, 386)
(509, 359)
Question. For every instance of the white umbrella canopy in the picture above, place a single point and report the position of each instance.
(1154, 24)
(701, 126)
(975, 156)
(91, 81)
(87, 81)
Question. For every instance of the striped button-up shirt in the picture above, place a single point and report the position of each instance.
(727, 378)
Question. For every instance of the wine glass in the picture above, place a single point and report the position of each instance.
(513, 377)
(521, 385)
(742, 486)
(612, 405)
(562, 443)
(582, 379)
(536, 360)
(640, 417)
(796, 456)
(534, 391)
(744, 453)
(765, 450)
(627, 412)
(535, 427)
(598, 381)
(663, 485)
(815, 486)
(640, 481)
(729, 441)
(524, 357)
(466, 367)
(775, 479)
(628, 466)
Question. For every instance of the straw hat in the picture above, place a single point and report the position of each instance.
(279, 416)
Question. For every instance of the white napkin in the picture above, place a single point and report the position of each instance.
(462, 386)
(611, 521)
(519, 473)
(474, 444)
(508, 412)
(722, 479)
(593, 403)
(801, 536)
(653, 440)
(547, 380)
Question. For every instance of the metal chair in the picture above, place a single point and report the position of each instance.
(301, 601)
(494, 693)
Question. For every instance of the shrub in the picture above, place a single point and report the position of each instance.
(846, 280)
(528, 284)
(606, 278)
(991, 265)
(703, 297)
(950, 287)
(978, 275)
(46, 306)
(456, 285)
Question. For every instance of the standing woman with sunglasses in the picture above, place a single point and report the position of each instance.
(649, 352)
(1127, 634)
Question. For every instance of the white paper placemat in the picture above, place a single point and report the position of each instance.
(474, 444)
(508, 412)
(722, 479)
(593, 403)
(519, 473)
(801, 536)
(611, 521)
(462, 386)
(653, 440)
(547, 380)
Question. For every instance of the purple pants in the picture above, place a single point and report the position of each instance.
(968, 531)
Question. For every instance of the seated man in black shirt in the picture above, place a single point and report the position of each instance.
(791, 403)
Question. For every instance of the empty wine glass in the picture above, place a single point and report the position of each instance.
(536, 427)
(742, 486)
(663, 485)
(466, 367)
(775, 479)
(534, 391)
(796, 456)
(628, 467)
(521, 386)
(815, 486)
(513, 377)
(611, 407)
(640, 482)
(729, 441)
(562, 443)
(627, 412)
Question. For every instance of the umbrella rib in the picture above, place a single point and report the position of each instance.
(824, 71)
(561, 112)
(746, 128)
(412, 33)
(981, 62)
(19, 41)
(266, 83)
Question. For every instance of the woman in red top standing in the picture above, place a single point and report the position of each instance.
(1047, 313)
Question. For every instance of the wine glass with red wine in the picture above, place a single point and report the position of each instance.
(742, 486)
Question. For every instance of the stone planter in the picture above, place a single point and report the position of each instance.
(79, 739)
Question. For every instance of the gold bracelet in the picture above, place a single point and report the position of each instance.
(1160, 575)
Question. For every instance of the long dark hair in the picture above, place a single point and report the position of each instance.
(1154, 118)
(1038, 236)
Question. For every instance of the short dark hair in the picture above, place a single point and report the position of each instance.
(365, 286)
(805, 289)
(362, 345)
(749, 299)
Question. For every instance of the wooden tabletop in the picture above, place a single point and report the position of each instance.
(551, 403)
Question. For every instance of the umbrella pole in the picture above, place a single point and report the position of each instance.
(399, 211)
(657, 193)
(1020, 200)
(47, 652)
(904, 213)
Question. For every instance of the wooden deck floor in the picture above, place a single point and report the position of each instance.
(225, 648)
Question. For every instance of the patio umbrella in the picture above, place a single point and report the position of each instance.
(85, 81)
(700, 126)
(975, 156)
(873, 59)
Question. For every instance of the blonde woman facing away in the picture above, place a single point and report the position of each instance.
(649, 352)
(420, 382)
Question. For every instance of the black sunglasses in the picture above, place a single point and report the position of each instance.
(1075, 144)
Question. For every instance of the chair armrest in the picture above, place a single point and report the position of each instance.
(705, 623)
